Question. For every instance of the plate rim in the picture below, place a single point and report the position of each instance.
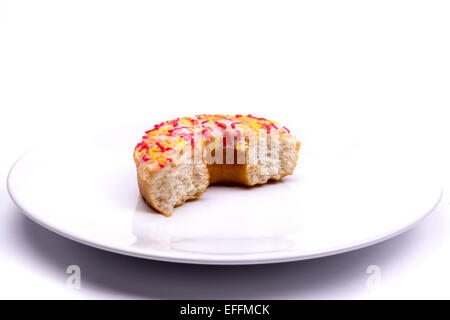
(289, 257)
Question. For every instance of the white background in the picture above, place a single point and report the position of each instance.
(361, 67)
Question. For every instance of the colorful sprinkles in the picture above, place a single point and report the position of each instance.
(161, 145)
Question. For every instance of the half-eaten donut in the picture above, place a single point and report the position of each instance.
(178, 159)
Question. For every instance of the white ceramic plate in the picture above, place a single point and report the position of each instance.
(339, 199)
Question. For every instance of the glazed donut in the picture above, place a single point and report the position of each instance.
(178, 159)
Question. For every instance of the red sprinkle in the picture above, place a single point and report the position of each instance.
(161, 165)
(146, 158)
(220, 124)
(266, 126)
(179, 128)
(148, 131)
(286, 129)
(160, 146)
(140, 146)
(175, 122)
